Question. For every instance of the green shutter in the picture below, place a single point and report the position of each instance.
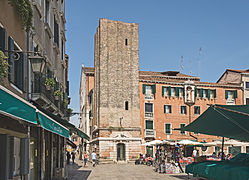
(226, 94)
(183, 91)
(195, 92)
(169, 91)
(235, 94)
(208, 93)
(215, 93)
(201, 92)
(144, 86)
(177, 91)
(20, 71)
(162, 90)
(154, 89)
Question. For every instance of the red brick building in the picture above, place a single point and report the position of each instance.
(163, 105)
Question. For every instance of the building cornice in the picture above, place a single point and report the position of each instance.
(196, 84)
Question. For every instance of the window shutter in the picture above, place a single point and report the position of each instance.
(24, 156)
(235, 94)
(169, 91)
(149, 124)
(11, 59)
(19, 74)
(208, 93)
(2, 38)
(162, 90)
(154, 89)
(195, 92)
(11, 157)
(164, 109)
(183, 91)
(226, 94)
(215, 93)
(201, 92)
(144, 86)
(177, 91)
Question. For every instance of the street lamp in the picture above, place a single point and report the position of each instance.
(37, 63)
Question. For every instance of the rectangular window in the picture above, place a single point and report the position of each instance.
(196, 109)
(230, 95)
(183, 109)
(204, 93)
(182, 126)
(167, 109)
(167, 128)
(56, 32)
(47, 12)
(173, 92)
(165, 91)
(148, 124)
(247, 100)
(62, 50)
(148, 90)
(126, 42)
(247, 84)
(180, 92)
(148, 107)
(126, 105)
(198, 93)
(211, 94)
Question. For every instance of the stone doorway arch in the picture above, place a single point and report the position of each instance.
(120, 152)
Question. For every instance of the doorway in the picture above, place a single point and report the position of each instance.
(120, 152)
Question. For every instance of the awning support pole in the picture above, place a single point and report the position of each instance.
(222, 149)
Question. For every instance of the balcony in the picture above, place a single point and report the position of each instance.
(45, 97)
(230, 101)
(149, 133)
(148, 114)
(149, 96)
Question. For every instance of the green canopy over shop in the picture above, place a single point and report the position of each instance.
(52, 125)
(231, 121)
(16, 107)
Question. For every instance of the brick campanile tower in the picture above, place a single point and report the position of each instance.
(116, 120)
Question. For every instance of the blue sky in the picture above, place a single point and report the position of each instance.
(168, 29)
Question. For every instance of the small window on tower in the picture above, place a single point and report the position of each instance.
(126, 105)
(126, 42)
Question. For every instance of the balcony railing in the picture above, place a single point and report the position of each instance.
(148, 114)
(39, 91)
(149, 133)
(149, 96)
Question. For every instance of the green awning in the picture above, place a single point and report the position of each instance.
(52, 125)
(82, 134)
(230, 121)
(15, 106)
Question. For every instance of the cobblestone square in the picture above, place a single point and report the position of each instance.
(119, 172)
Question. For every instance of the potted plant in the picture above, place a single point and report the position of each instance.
(69, 111)
(49, 82)
(57, 94)
(3, 66)
(65, 102)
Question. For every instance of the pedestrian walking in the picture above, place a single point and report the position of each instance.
(73, 157)
(94, 158)
(68, 157)
(85, 159)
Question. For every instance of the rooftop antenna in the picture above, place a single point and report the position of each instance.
(199, 63)
(181, 68)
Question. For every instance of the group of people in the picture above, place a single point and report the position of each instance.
(145, 159)
(72, 155)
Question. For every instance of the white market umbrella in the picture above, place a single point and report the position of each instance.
(153, 143)
(189, 142)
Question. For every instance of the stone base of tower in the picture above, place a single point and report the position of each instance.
(119, 147)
